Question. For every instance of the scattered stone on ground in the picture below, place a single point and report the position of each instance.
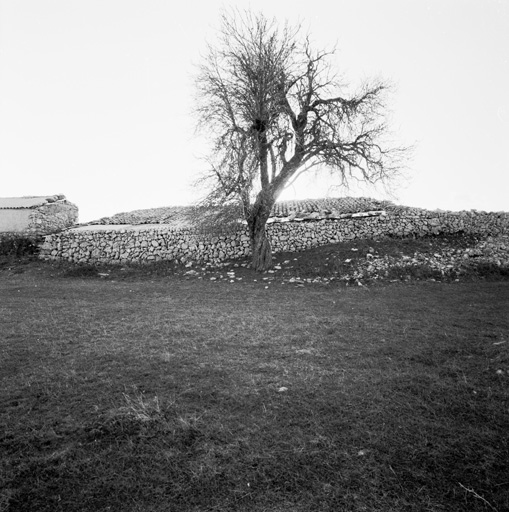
(448, 263)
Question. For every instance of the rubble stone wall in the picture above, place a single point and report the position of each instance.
(150, 243)
(52, 217)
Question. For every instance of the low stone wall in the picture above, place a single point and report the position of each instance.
(150, 243)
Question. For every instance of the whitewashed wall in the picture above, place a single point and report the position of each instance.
(44, 219)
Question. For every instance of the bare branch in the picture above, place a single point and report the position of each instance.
(274, 109)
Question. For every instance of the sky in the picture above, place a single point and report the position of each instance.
(96, 96)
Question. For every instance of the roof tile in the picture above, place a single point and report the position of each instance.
(15, 203)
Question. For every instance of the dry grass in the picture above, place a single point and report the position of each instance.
(154, 392)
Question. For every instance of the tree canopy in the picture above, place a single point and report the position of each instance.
(273, 108)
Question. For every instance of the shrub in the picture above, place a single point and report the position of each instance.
(18, 245)
(489, 270)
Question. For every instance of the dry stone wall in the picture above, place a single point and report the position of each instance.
(151, 243)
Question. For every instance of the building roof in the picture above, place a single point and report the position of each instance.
(18, 203)
(327, 207)
(309, 209)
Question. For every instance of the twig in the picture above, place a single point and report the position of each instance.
(478, 496)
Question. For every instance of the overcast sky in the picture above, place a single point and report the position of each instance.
(96, 95)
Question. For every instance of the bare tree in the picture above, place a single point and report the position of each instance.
(273, 109)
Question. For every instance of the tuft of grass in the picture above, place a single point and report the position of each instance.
(139, 408)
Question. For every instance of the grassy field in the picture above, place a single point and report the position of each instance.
(158, 390)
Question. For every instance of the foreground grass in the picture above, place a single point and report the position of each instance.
(184, 395)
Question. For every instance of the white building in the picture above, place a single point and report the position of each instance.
(36, 215)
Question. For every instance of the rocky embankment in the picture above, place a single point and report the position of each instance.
(449, 263)
(436, 258)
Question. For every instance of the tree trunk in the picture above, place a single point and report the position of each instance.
(260, 245)
(261, 249)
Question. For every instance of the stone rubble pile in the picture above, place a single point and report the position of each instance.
(448, 262)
